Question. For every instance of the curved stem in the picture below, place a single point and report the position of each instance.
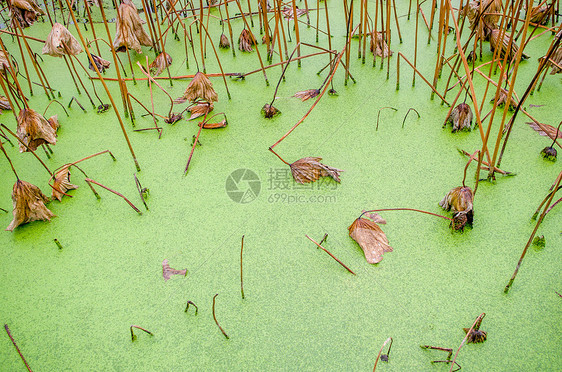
(405, 209)
(9, 161)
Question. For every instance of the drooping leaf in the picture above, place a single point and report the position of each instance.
(461, 118)
(475, 336)
(167, 271)
(34, 130)
(310, 169)
(269, 111)
(379, 46)
(29, 204)
(370, 238)
(60, 42)
(224, 43)
(246, 41)
(101, 63)
(62, 183)
(459, 200)
(160, 63)
(220, 124)
(25, 12)
(200, 88)
(130, 33)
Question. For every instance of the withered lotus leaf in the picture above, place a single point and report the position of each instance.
(460, 118)
(475, 336)
(246, 41)
(200, 88)
(491, 14)
(224, 43)
(459, 200)
(167, 271)
(502, 100)
(269, 111)
(62, 183)
(307, 94)
(539, 14)
(379, 46)
(503, 44)
(288, 12)
(29, 205)
(101, 63)
(4, 103)
(54, 122)
(546, 130)
(34, 130)
(60, 42)
(200, 110)
(130, 34)
(220, 124)
(160, 63)
(310, 169)
(370, 238)
(557, 58)
(25, 11)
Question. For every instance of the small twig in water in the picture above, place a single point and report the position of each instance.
(215, 318)
(133, 337)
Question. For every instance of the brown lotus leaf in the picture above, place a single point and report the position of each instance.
(160, 63)
(224, 43)
(288, 12)
(4, 103)
(539, 14)
(459, 201)
(475, 336)
(310, 169)
(461, 118)
(61, 183)
(491, 9)
(167, 271)
(130, 34)
(269, 111)
(60, 42)
(200, 88)
(24, 11)
(54, 122)
(29, 205)
(503, 44)
(370, 238)
(200, 110)
(557, 58)
(502, 100)
(34, 130)
(546, 130)
(101, 63)
(220, 124)
(246, 41)
(379, 46)
(307, 94)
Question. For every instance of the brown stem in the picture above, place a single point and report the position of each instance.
(133, 337)
(89, 180)
(380, 352)
(405, 209)
(192, 304)
(16, 346)
(477, 321)
(241, 276)
(331, 255)
(280, 158)
(215, 318)
(9, 161)
(28, 149)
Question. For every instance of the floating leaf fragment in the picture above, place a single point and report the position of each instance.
(546, 130)
(200, 110)
(310, 169)
(221, 124)
(370, 238)
(307, 94)
(29, 204)
(167, 271)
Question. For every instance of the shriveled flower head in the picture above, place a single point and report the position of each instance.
(160, 63)
(459, 200)
(200, 88)
(60, 42)
(549, 153)
(61, 183)
(379, 46)
(246, 41)
(310, 169)
(25, 11)
(460, 118)
(475, 336)
(491, 14)
(307, 94)
(503, 44)
(4, 103)
(370, 238)
(29, 205)
(101, 63)
(269, 111)
(130, 34)
(224, 43)
(34, 130)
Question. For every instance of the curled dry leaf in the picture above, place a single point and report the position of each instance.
(549, 153)
(167, 271)
(460, 117)
(502, 99)
(130, 34)
(62, 183)
(557, 58)
(269, 111)
(29, 205)
(546, 130)
(379, 46)
(307, 94)
(60, 42)
(200, 88)
(503, 44)
(288, 12)
(310, 169)
(220, 124)
(491, 9)
(246, 40)
(459, 200)
(200, 110)
(160, 63)
(224, 43)
(34, 130)
(370, 238)
(4, 103)
(539, 14)
(25, 11)
(101, 63)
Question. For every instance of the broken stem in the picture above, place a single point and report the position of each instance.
(331, 255)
